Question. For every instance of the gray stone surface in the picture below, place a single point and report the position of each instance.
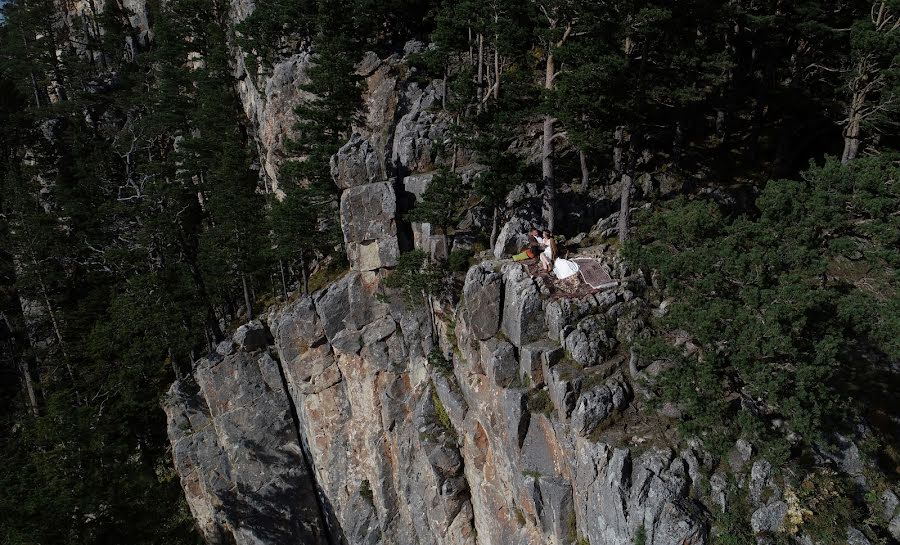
(269, 103)
(498, 358)
(368, 219)
(252, 336)
(513, 235)
(769, 518)
(856, 537)
(615, 495)
(481, 296)
(594, 406)
(532, 357)
(402, 451)
(523, 316)
(237, 452)
(759, 479)
(591, 342)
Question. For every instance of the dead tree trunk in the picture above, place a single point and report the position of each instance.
(25, 371)
(284, 290)
(585, 175)
(479, 87)
(495, 227)
(247, 297)
(867, 81)
(496, 65)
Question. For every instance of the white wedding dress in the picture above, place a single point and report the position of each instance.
(563, 268)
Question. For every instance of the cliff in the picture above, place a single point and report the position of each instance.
(354, 416)
(344, 417)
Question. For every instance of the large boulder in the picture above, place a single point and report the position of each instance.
(590, 342)
(498, 358)
(513, 236)
(482, 293)
(236, 450)
(419, 130)
(368, 219)
(523, 317)
(598, 404)
(252, 336)
(356, 163)
(348, 303)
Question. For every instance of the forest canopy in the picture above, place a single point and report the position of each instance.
(137, 226)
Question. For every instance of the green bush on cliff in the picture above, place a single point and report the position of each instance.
(796, 306)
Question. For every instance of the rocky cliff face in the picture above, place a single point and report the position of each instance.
(351, 416)
(512, 444)
(358, 422)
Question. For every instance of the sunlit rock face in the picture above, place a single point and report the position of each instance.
(508, 443)
(364, 418)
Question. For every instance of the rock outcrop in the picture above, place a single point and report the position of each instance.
(404, 451)
(352, 416)
(236, 447)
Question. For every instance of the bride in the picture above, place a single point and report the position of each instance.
(561, 268)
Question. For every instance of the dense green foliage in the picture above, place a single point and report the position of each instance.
(795, 308)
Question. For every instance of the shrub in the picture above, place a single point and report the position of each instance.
(539, 402)
(459, 260)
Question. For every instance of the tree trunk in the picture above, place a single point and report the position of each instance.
(34, 85)
(855, 114)
(212, 321)
(495, 227)
(480, 80)
(627, 187)
(496, 67)
(721, 125)
(304, 275)
(678, 143)
(618, 151)
(175, 367)
(585, 176)
(247, 297)
(25, 371)
(284, 289)
(851, 141)
(59, 337)
(431, 318)
(625, 208)
(549, 205)
(444, 95)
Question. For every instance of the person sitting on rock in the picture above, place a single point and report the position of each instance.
(548, 256)
(535, 243)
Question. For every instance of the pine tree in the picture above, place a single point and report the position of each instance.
(439, 203)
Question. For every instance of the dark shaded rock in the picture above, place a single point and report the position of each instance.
(236, 450)
(482, 295)
(252, 336)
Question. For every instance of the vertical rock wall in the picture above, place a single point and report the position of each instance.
(505, 445)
